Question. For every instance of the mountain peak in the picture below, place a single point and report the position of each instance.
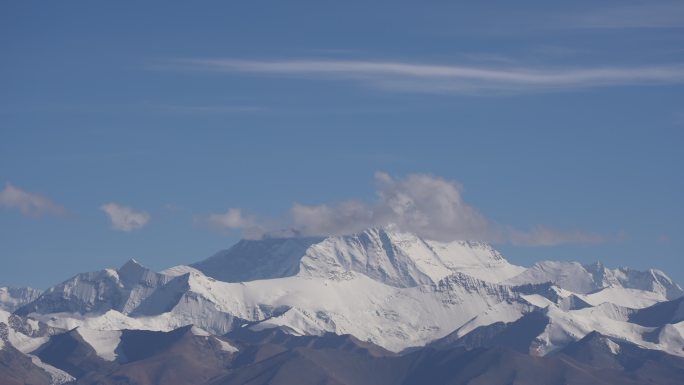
(384, 253)
(585, 279)
(98, 291)
(132, 271)
(595, 346)
(132, 263)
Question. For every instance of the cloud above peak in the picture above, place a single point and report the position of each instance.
(124, 218)
(29, 204)
(234, 219)
(428, 206)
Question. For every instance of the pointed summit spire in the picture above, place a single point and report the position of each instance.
(131, 263)
(131, 271)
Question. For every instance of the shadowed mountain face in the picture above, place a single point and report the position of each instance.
(492, 366)
(276, 336)
(72, 354)
(191, 356)
(518, 335)
(257, 259)
(669, 312)
(18, 369)
(183, 356)
(502, 366)
(601, 352)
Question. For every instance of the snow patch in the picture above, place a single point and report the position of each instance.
(24, 343)
(537, 300)
(225, 346)
(612, 346)
(199, 332)
(104, 342)
(632, 298)
(57, 375)
(179, 270)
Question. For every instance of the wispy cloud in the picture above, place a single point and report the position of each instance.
(429, 206)
(407, 76)
(641, 14)
(208, 109)
(30, 204)
(124, 218)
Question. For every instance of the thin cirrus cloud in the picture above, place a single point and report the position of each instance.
(405, 76)
(645, 14)
(209, 109)
(124, 218)
(29, 204)
(428, 206)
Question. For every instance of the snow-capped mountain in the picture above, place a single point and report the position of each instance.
(383, 286)
(19, 338)
(189, 355)
(391, 288)
(586, 279)
(122, 289)
(395, 318)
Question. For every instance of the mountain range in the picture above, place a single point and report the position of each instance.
(378, 307)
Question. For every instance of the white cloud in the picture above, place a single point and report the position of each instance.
(233, 219)
(428, 206)
(30, 204)
(342, 218)
(406, 76)
(124, 218)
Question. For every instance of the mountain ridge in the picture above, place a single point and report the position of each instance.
(382, 287)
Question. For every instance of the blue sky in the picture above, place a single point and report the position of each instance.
(552, 130)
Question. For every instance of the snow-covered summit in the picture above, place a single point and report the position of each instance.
(403, 259)
(386, 254)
